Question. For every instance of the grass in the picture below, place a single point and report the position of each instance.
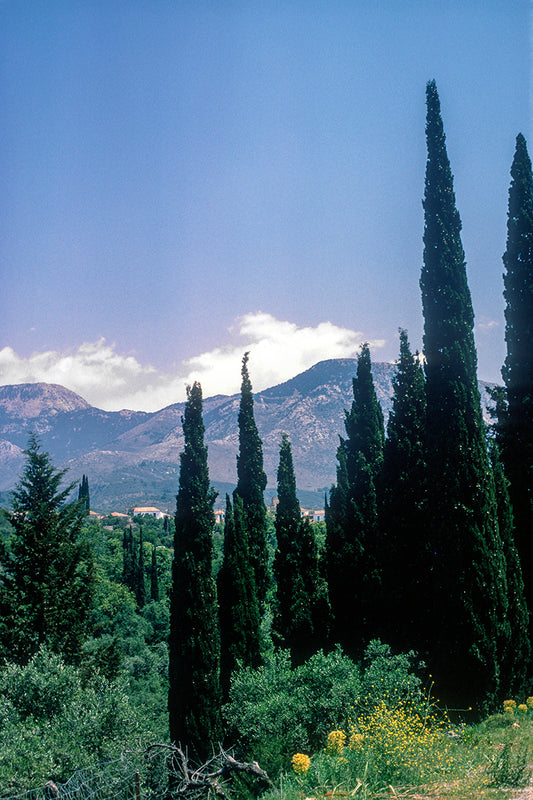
(401, 750)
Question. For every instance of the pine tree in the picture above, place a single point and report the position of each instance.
(403, 507)
(352, 516)
(238, 605)
(194, 645)
(46, 571)
(469, 592)
(516, 422)
(300, 592)
(154, 579)
(251, 484)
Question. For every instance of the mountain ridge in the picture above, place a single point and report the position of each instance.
(132, 457)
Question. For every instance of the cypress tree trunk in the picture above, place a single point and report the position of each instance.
(251, 484)
(352, 519)
(194, 644)
(469, 592)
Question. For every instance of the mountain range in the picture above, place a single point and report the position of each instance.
(132, 457)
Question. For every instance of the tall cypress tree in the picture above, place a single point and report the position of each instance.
(46, 570)
(84, 495)
(194, 644)
(469, 592)
(403, 507)
(154, 578)
(301, 602)
(515, 643)
(238, 605)
(140, 586)
(251, 484)
(352, 516)
(516, 422)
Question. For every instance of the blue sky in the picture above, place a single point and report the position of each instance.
(184, 181)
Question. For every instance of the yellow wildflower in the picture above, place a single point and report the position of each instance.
(509, 704)
(529, 702)
(522, 708)
(356, 741)
(335, 743)
(300, 763)
(508, 710)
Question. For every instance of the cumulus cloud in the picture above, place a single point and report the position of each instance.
(486, 325)
(106, 379)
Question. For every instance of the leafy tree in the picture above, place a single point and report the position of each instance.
(469, 593)
(301, 608)
(194, 643)
(84, 495)
(352, 516)
(403, 506)
(46, 571)
(516, 417)
(251, 484)
(238, 606)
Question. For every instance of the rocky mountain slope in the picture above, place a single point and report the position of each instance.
(132, 458)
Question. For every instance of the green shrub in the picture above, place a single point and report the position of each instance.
(276, 711)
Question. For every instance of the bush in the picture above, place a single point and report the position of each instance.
(276, 711)
(52, 721)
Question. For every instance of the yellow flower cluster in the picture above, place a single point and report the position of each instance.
(300, 763)
(403, 742)
(335, 743)
(356, 741)
(510, 705)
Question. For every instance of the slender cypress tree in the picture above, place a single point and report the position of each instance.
(140, 586)
(47, 570)
(154, 578)
(515, 643)
(251, 484)
(238, 606)
(83, 494)
(516, 422)
(403, 508)
(352, 516)
(194, 644)
(128, 559)
(469, 593)
(301, 602)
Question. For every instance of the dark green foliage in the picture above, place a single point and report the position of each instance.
(194, 644)
(83, 494)
(515, 645)
(154, 578)
(251, 484)
(352, 518)
(140, 586)
(468, 602)
(238, 607)
(516, 422)
(47, 573)
(301, 596)
(403, 507)
(129, 559)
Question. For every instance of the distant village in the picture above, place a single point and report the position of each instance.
(156, 513)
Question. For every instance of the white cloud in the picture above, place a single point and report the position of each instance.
(106, 379)
(486, 325)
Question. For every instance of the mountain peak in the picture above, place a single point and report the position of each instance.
(30, 400)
